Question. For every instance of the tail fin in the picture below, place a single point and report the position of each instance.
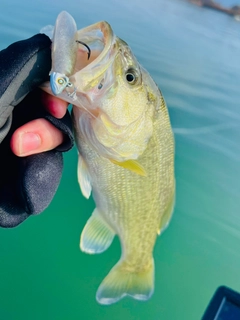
(120, 282)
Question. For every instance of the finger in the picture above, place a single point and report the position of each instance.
(35, 137)
(54, 105)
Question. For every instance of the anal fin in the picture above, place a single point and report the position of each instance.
(96, 236)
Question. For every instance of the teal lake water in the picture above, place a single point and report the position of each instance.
(194, 56)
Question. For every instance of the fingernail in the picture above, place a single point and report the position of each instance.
(29, 142)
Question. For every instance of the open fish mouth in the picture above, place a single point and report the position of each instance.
(90, 66)
(100, 40)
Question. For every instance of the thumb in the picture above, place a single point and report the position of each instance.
(34, 137)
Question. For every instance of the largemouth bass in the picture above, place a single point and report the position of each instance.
(126, 156)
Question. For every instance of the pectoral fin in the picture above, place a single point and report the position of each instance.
(131, 165)
(96, 236)
(83, 177)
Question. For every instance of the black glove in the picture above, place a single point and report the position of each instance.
(27, 184)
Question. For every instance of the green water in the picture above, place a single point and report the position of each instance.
(193, 55)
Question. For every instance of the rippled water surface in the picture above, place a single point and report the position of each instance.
(193, 55)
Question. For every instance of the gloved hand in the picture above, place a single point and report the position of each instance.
(27, 184)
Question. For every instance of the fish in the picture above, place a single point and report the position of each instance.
(125, 155)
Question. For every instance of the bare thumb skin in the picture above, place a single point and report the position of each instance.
(34, 137)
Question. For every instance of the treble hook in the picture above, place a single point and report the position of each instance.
(85, 45)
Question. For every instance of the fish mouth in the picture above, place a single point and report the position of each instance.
(99, 38)
(90, 65)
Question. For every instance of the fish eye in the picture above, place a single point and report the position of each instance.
(131, 76)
